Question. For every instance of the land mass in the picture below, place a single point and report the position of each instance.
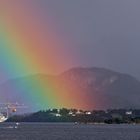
(90, 88)
(80, 116)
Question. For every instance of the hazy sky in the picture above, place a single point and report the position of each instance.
(103, 33)
(106, 33)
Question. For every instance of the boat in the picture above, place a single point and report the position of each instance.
(8, 108)
(3, 118)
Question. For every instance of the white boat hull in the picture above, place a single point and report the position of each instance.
(3, 119)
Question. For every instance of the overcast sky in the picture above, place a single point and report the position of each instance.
(106, 33)
(102, 33)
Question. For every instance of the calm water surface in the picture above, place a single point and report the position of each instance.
(61, 131)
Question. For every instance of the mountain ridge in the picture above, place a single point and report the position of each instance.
(95, 88)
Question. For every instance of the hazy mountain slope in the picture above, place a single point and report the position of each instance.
(88, 87)
(111, 89)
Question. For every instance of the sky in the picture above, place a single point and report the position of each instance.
(87, 33)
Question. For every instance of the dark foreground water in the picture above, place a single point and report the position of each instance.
(62, 131)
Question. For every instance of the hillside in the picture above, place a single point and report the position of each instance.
(85, 88)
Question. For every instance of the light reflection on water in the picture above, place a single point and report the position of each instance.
(68, 131)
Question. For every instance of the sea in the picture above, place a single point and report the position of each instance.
(68, 131)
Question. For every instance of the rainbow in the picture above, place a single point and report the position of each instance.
(26, 48)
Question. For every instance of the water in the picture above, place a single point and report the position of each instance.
(62, 131)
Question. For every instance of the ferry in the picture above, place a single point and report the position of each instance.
(3, 118)
(8, 108)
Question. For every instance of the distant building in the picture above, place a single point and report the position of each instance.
(129, 113)
(88, 113)
(57, 115)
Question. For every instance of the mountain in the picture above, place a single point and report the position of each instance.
(105, 88)
(85, 88)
